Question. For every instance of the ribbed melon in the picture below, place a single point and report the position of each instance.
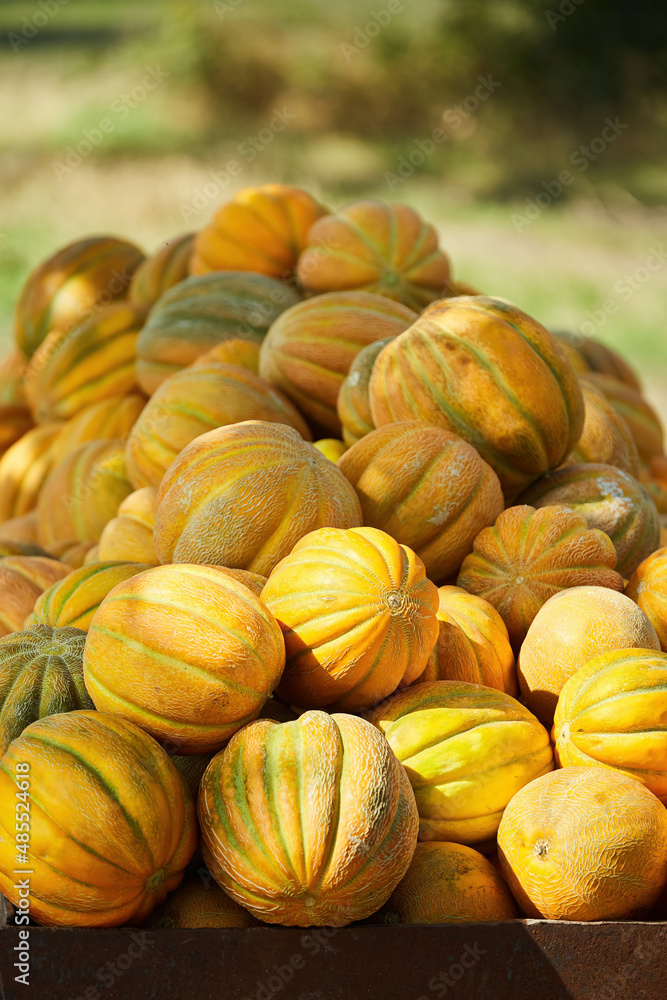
(196, 400)
(93, 361)
(335, 809)
(41, 673)
(243, 496)
(202, 311)
(75, 281)
(426, 487)
(83, 492)
(107, 808)
(74, 600)
(184, 651)
(472, 644)
(613, 713)
(375, 247)
(161, 271)
(611, 500)
(308, 350)
(353, 403)
(358, 615)
(128, 537)
(467, 750)
(529, 555)
(482, 369)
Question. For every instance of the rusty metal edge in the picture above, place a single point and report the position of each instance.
(564, 960)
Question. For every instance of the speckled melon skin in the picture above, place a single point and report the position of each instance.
(606, 437)
(309, 348)
(93, 361)
(128, 537)
(41, 673)
(610, 500)
(74, 600)
(188, 653)
(353, 403)
(375, 247)
(308, 823)
(197, 904)
(485, 370)
(83, 493)
(449, 884)
(583, 843)
(243, 495)
(426, 487)
(613, 713)
(529, 555)
(112, 823)
(194, 401)
(569, 630)
(22, 580)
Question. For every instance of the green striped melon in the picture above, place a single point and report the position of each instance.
(309, 349)
(202, 311)
(41, 673)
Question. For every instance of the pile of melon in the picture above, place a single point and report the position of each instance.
(331, 590)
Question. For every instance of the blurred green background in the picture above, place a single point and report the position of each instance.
(470, 110)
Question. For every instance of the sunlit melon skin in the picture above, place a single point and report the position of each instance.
(308, 823)
(529, 555)
(568, 631)
(584, 843)
(487, 371)
(613, 713)
(467, 750)
(449, 884)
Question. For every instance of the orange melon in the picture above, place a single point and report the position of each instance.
(613, 713)
(426, 487)
(261, 229)
(583, 843)
(375, 247)
(610, 500)
(482, 369)
(606, 437)
(358, 615)
(243, 495)
(472, 644)
(568, 631)
(449, 884)
(82, 493)
(308, 823)
(186, 652)
(108, 419)
(309, 348)
(194, 401)
(529, 555)
(161, 271)
(353, 403)
(128, 537)
(647, 587)
(24, 468)
(22, 580)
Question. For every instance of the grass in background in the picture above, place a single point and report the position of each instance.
(354, 120)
